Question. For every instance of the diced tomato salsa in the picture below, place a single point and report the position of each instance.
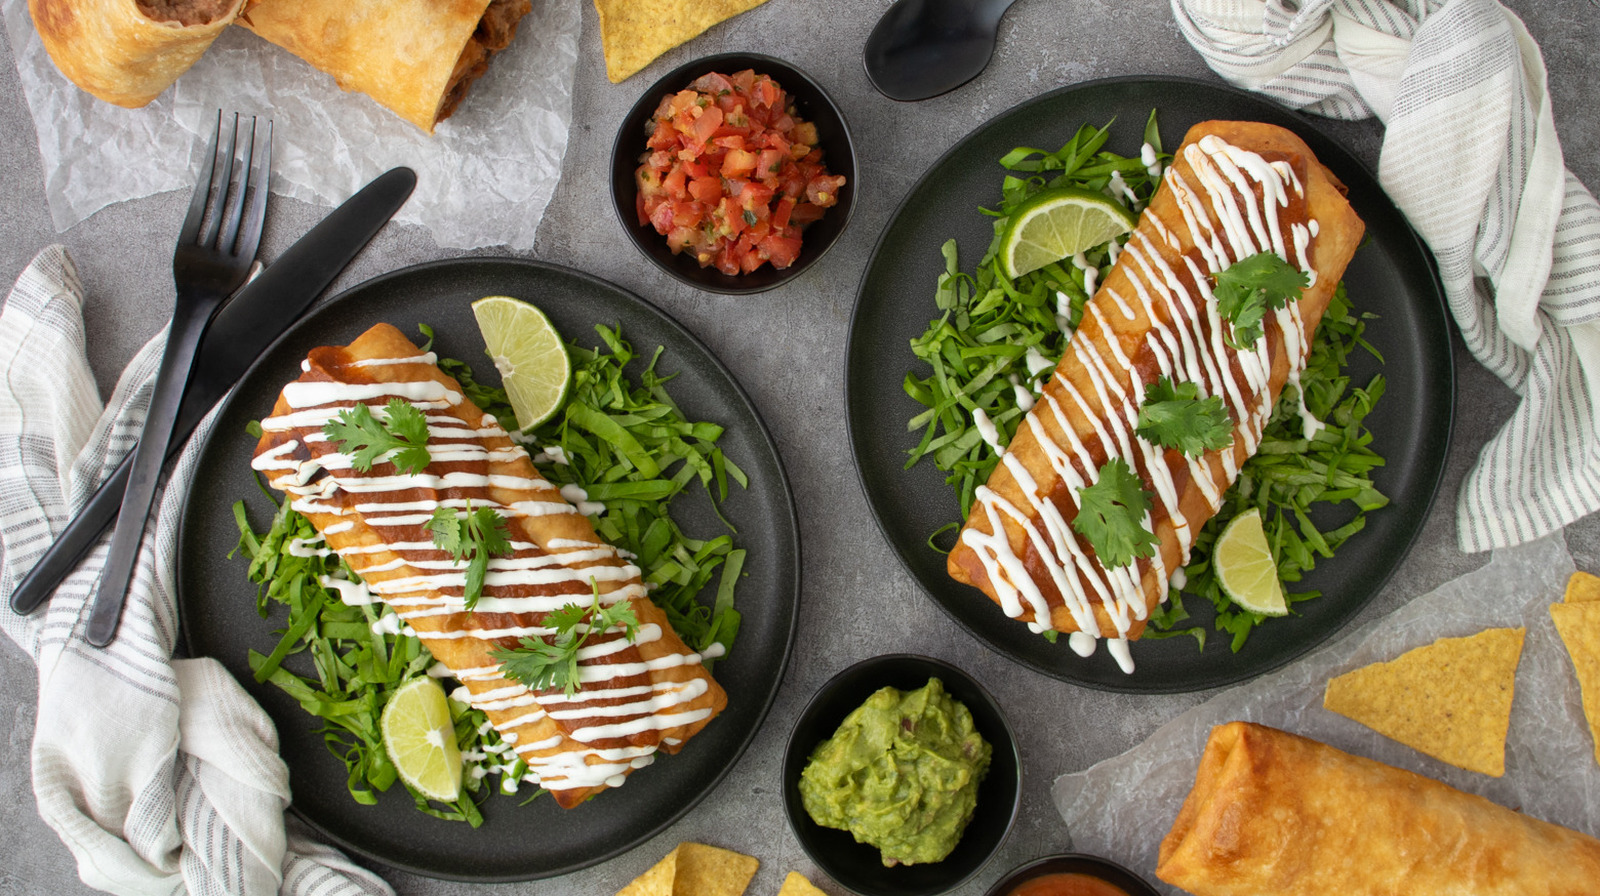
(731, 174)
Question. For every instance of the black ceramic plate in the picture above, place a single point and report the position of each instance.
(1391, 276)
(516, 842)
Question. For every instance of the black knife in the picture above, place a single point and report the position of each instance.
(240, 332)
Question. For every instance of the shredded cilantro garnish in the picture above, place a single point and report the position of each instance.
(542, 663)
(624, 441)
(1250, 287)
(473, 536)
(1174, 415)
(401, 437)
(994, 334)
(1111, 515)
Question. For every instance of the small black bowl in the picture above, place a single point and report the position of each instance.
(810, 101)
(1076, 863)
(859, 866)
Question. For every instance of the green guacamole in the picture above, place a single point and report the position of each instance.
(901, 773)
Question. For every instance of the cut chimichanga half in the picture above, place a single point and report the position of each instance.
(1272, 812)
(127, 52)
(416, 57)
(636, 697)
(1233, 190)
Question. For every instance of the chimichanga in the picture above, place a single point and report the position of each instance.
(1272, 812)
(128, 51)
(1234, 189)
(416, 57)
(636, 698)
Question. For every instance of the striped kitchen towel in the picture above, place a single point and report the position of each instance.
(1470, 155)
(161, 776)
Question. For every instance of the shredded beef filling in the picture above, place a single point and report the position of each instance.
(493, 34)
(185, 12)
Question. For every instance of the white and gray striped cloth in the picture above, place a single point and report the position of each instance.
(161, 776)
(1470, 155)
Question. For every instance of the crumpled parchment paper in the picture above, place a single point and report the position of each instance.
(1122, 807)
(484, 178)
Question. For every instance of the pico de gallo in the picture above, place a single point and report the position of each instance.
(732, 174)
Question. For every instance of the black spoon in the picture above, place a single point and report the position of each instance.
(922, 48)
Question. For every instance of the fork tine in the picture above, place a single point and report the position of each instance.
(202, 188)
(256, 214)
(219, 186)
(229, 228)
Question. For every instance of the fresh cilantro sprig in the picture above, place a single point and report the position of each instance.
(1174, 415)
(473, 536)
(1250, 287)
(1111, 515)
(545, 664)
(402, 434)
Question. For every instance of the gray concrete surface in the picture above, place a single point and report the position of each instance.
(787, 348)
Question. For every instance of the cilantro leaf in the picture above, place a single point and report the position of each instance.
(403, 432)
(1250, 287)
(1175, 416)
(543, 665)
(474, 536)
(1111, 515)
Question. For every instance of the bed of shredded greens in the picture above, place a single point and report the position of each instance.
(996, 335)
(621, 438)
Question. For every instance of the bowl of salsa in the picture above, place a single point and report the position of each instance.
(734, 173)
(1072, 874)
(877, 771)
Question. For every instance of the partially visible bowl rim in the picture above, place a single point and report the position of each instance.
(1026, 872)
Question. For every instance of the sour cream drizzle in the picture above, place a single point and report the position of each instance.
(614, 723)
(1231, 203)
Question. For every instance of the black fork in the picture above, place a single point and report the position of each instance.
(206, 268)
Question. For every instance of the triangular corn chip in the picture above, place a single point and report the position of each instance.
(694, 869)
(634, 32)
(1583, 587)
(1579, 625)
(797, 885)
(1450, 699)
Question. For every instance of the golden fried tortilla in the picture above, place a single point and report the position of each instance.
(634, 32)
(127, 52)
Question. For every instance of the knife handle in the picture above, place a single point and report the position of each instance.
(74, 542)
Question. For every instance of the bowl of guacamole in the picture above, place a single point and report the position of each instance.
(901, 777)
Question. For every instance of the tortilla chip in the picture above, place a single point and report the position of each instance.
(634, 32)
(1583, 587)
(694, 869)
(1579, 625)
(655, 882)
(709, 871)
(1450, 699)
(797, 885)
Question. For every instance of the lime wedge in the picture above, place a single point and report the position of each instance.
(527, 351)
(1057, 224)
(1245, 567)
(421, 739)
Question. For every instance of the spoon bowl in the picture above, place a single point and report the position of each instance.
(923, 48)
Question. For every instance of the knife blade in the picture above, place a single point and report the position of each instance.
(242, 329)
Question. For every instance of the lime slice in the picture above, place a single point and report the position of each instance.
(1057, 224)
(421, 739)
(527, 351)
(1245, 567)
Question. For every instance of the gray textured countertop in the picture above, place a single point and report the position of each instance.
(787, 349)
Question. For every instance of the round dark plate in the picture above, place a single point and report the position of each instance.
(812, 103)
(1391, 276)
(859, 866)
(516, 842)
